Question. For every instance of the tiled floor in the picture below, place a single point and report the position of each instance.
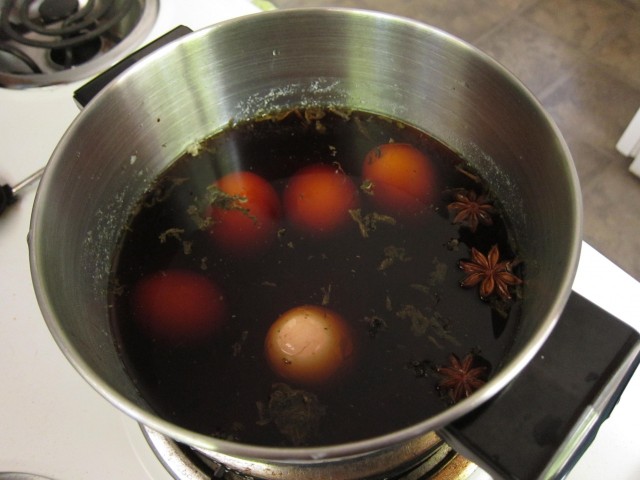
(581, 58)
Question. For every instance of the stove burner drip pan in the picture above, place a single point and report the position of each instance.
(185, 463)
(48, 42)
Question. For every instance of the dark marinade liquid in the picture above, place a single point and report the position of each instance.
(223, 388)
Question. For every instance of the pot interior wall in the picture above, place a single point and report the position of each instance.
(243, 68)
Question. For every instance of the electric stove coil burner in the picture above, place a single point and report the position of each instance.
(185, 463)
(44, 42)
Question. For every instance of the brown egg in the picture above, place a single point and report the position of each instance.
(308, 344)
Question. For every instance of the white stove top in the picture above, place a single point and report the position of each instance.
(52, 423)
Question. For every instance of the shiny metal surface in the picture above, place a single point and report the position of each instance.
(420, 458)
(276, 60)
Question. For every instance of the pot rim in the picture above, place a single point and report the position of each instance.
(326, 452)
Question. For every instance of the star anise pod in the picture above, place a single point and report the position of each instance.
(471, 209)
(461, 378)
(492, 274)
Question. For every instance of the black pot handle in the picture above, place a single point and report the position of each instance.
(540, 424)
(85, 94)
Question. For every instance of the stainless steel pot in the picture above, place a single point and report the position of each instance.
(277, 60)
